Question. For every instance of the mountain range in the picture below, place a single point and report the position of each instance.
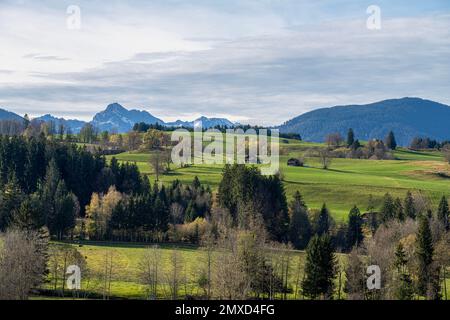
(407, 117)
(117, 118)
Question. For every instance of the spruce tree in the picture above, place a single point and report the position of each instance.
(391, 143)
(11, 198)
(196, 183)
(300, 227)
(388, 208)
(355, 145)
(409, 207)
(399, 211)
(424, 252)
(30, 215)
(354, 229)
(443, 212)
(323, 221)
(350, 137)
(404, 289)
(65, 211)
(320, 268)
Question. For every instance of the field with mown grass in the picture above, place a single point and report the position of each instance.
(348, 182)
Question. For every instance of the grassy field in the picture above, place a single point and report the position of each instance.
(126, 282)
(348, 182)
(126, 275)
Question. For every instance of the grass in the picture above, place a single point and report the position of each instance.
(126, 283)
(348, 182)
(126, 275)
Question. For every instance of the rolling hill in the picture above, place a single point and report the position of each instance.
(407, 117)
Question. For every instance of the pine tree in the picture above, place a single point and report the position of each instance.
(350, 137)
(320, 268)
(424, 252)
(444, 212)
(390, 141)
(300, 227)
(354, 229)
(410, 208)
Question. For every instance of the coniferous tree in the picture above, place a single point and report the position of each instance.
(372, 216)
(320, 268)
(391, 143)
(30, 215)
(245, 187)
(424, 252)
(300, 227)
(399, 211)
(11, 198)
(323, 221)
(350, 137)
(388, 208)
(355, 145)
(190, 214)
(354, 229)
(65, 210)
(444, 212)
(409, 207)
(404, 289)
(196, 183)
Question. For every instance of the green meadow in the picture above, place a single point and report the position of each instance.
(126, 275)
(126, 280)
(346, 183)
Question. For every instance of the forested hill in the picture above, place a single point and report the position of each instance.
(407, 117)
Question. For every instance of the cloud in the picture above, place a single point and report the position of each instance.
(37, 56)
(252, 60)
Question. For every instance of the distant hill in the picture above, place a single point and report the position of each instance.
(74, 125)
(116, 117)
(407, 117)
(7, 115)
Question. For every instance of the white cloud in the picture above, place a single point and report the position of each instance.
(254, 62)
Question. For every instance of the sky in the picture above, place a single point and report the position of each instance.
(253, 61)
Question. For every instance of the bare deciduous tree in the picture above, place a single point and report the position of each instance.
(175, 273)
(157, 163)
(334, 140)
(355, 276)
(325, 156)
(22, 264)
(108, 269)
(150, 266)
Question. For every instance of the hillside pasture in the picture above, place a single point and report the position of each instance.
(346, 183)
